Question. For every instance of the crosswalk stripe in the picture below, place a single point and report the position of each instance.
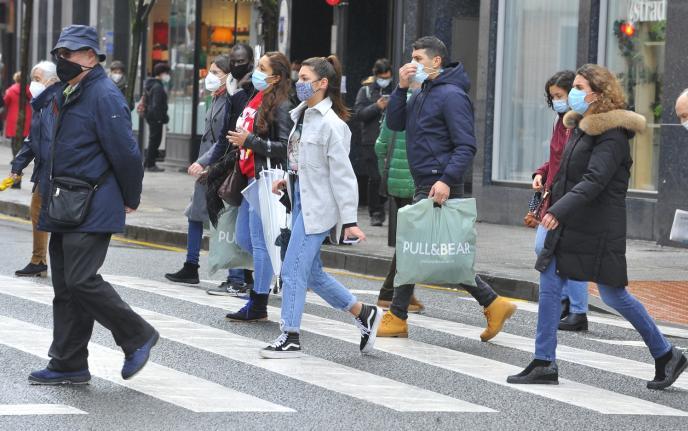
(601, 361)
(578, 394)
(329, 375)
(38, 409)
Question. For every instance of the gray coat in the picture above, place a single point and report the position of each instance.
(214, 119)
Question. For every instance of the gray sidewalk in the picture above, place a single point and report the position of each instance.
(505, 253)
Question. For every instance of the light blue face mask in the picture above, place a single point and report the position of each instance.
(560, 106)
(421, 75)
(383, 82)
(577, 101)
(258, 80)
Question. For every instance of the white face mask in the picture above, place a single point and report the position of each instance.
(685, 124)
(36, 88)
(165, 78)
(212, 82)
(294, 75)
(116, 77)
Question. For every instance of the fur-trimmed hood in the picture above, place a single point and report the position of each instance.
(597, 124)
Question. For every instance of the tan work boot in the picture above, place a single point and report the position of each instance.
(415, 306)
(392, 326)
(496, 314)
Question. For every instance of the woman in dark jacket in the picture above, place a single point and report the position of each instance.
(587, 225)
(574, 296)
(261, 135)
(36, 147)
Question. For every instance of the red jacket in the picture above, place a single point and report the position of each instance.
(560, 135)
(11, 100)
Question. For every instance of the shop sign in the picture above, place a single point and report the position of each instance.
(646, 10)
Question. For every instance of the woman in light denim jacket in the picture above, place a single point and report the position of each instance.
(324, 196)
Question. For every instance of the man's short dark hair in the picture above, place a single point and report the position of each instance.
(248, 49)
(433, 47)
(161, 68)
(381, 66)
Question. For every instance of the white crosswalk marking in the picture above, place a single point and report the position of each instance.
(329, 375)
(609, 363)
(581, 395)
(38, 409)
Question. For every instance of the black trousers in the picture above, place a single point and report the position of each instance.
(483, 292)
(369, 166)
(82, 296)
(387, 291)
(154, 140)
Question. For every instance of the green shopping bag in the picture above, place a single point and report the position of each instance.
(224, 252)
(436, 244)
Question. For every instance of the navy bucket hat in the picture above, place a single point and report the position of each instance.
(76, 37)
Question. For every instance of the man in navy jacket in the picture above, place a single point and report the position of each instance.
(92, 137)
(440, 145)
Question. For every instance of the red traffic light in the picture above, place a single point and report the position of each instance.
(333, 2)
(628, 29)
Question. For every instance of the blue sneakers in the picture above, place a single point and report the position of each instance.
(137, 360)
(52, 377)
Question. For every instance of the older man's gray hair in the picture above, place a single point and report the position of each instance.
(48, 68)
(684, 93)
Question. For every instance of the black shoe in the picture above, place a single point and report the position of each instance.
(574, 322)
(377, 219)
(667, 369)
(188, 274)
(50, 377)
(255, 310)
(285, 346)
(537, 373)
(565, 308)
(368, 321)
(33, 270)
(154, 168)
(229, 288)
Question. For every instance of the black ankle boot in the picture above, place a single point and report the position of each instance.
(255, 310)
(667, 369)
(538, 372)
(565, 308)
(33, 270)
(574, 322)
(188, 274)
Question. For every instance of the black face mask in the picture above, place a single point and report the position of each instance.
(68, 70)
(238, 71)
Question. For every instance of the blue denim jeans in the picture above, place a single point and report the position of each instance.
(549, 311)
(302, 268)
(575, 291)
(249, 236)
(193, 250)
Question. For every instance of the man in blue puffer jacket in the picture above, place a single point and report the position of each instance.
(92, 136)
(440, 145)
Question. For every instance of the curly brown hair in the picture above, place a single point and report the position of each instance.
(610, 95)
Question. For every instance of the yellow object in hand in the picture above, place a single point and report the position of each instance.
(6, 183)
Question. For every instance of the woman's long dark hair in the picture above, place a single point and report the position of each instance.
(331, 69)
(275, 95)
(563, 79)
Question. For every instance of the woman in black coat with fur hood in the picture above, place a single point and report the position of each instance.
(587, 225)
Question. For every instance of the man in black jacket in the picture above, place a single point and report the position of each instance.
(371, 102)
(155, 102)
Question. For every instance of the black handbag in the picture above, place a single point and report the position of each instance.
(70, 198)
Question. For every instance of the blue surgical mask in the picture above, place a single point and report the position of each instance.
(383, 83)
(577, 101)
(560, 106)
(258, 79)
(421, 75)
(304, 90)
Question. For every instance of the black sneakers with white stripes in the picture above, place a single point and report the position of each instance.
(286, 346)
(368, 321)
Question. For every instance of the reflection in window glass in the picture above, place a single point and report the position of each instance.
(181, 59)
(539, 38)
(635, 53)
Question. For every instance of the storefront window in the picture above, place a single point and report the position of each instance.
(634, 48)
(536, 39)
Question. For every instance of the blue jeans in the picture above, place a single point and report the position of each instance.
(302, 268)
(575, 291)
(549, 311)
(193, 250)
(249, 236)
